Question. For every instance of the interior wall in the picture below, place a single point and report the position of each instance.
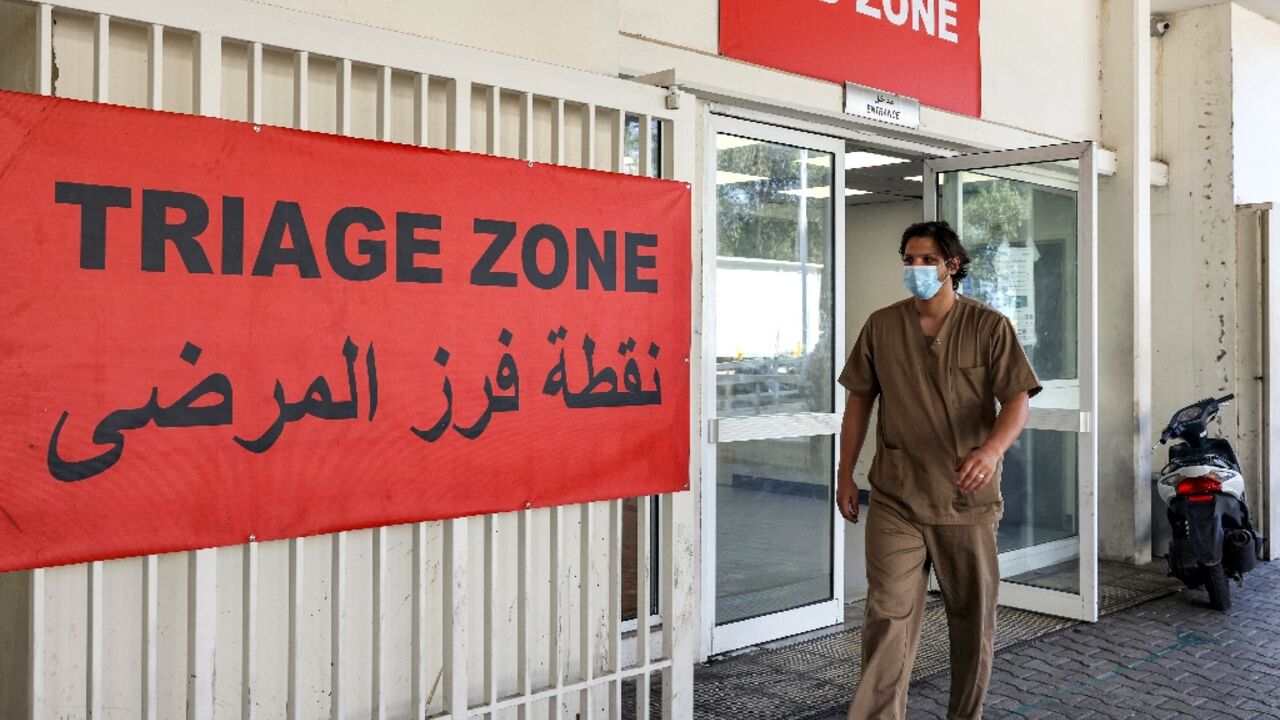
(873, 268)
(873, 279)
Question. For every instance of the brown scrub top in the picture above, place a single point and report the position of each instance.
(937, 404)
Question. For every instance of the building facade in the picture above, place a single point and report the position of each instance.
(1111, 176)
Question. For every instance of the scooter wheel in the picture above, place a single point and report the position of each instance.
(1218, 587)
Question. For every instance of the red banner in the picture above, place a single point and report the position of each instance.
(214, 331)
(926, 49)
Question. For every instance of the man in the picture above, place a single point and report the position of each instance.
(938, 362)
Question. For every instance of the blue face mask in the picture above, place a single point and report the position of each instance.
(922, 281)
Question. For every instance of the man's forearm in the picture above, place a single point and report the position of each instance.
(1009, 424)
(853, 432)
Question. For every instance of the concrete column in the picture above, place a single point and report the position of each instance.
(1195, 333)
(1124, 285)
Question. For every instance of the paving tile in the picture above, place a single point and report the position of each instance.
(1171, 657)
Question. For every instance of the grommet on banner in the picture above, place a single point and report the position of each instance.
(253, 538)
(530, 163)
(257, 128)
(527, 504)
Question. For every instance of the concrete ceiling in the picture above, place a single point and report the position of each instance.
(1267, 8)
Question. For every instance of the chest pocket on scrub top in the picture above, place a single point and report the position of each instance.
(969, 387)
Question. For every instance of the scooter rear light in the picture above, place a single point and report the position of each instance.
(1200, 489)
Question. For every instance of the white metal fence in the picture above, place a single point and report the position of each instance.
(514, 615)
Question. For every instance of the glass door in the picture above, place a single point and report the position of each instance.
(772, 548)
(1028, 221)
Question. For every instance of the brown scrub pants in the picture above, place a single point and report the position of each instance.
(964, 560)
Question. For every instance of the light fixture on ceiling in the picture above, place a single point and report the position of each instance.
(863, 159)
(823, 192)
(729, 142)
(726, 177)
(857, 159)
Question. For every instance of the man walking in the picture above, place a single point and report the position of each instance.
(938, 362)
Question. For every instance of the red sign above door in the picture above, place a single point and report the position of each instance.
(927, 49)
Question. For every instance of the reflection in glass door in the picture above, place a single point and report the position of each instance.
(1027, 220)
(771, 542)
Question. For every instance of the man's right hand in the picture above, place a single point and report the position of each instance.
(847, 498)
(853, 431)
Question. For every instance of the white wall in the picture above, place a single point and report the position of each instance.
(698, 27)
(1040, 66)
(1040, 63)
(1193, 219)
(575, 33)
(1255, 69)
(1255, 44)
(1123, 286)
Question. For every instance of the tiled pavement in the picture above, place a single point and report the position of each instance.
(1170, 658)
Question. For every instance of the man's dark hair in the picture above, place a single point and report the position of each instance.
(948, 241)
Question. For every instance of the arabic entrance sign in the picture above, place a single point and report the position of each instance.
(213, 331)
(872, 104)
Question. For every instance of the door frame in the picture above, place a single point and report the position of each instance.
(744, 633)
(1082, 422)
(1256, 367)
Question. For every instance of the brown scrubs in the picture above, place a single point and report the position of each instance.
(937, 404)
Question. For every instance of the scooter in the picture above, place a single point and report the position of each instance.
(1203, 488)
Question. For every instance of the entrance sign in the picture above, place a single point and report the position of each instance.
(214, 331)
(871, 104)
(925, 49)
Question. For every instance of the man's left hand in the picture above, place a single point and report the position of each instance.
(976, 470)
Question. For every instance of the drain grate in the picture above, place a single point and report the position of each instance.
(1121, 587)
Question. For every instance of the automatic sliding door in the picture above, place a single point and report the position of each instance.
(772, 546)
(1027, 219)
